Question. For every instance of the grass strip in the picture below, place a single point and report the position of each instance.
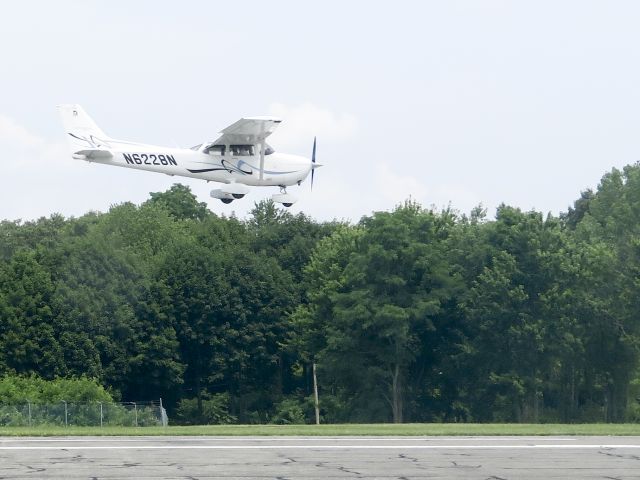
(407, 429)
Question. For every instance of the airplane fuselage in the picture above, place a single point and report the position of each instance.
(280, 169)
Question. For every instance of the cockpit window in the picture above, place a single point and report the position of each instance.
(216, 150)
(242, 150)
(268, 150)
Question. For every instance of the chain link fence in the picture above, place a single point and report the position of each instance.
(84, 414)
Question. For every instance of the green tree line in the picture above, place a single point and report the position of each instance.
(414, 314)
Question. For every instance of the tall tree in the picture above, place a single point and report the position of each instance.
(393, 285)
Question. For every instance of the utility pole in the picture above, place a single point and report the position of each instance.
(315, 394)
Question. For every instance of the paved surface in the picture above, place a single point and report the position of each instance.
(403, 458)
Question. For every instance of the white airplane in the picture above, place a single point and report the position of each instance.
(238, 159)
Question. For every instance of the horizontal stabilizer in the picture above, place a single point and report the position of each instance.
(93, 154)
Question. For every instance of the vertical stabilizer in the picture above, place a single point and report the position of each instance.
(82, 132)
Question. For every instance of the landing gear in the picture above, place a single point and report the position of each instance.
(230, 192)
(284, 198)
(283, 191)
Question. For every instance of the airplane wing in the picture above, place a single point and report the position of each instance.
(251, 130)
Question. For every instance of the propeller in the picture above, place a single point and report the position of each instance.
(313, 162)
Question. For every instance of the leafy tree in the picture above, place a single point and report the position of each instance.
(180, 203)
(579, 210)
(391, 289)
(26, 333)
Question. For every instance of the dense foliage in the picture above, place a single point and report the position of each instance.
(18, 389)
(410, 315)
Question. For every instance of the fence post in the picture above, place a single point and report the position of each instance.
(135, 409)
(161, 419)
(66, 423)
(316, 404)
(29, 407)
(100, 414)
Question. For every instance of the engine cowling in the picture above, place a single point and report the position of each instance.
(286, 199)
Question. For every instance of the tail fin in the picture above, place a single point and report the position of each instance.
(82, 132)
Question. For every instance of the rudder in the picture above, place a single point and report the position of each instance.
(82, 132)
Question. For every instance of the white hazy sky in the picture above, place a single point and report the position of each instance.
(460, 102)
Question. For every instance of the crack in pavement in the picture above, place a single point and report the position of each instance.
(345, 470)
(339, 467)
(286, 459)
(455, 464)
(75, 458)
(404, 456)
(619, 455)
(35, 470)
(414, 460)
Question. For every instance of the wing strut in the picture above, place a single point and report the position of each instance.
(262, 137)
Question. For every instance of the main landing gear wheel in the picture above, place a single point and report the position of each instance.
(226, 200)
(283, 191)
(283, 198)
(237, 195)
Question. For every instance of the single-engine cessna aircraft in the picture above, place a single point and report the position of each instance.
(240, 157)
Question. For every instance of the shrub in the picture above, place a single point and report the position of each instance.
(215, 410)
(16, 389)
(293, 410)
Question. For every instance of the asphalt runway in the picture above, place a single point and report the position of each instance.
(282, 458)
